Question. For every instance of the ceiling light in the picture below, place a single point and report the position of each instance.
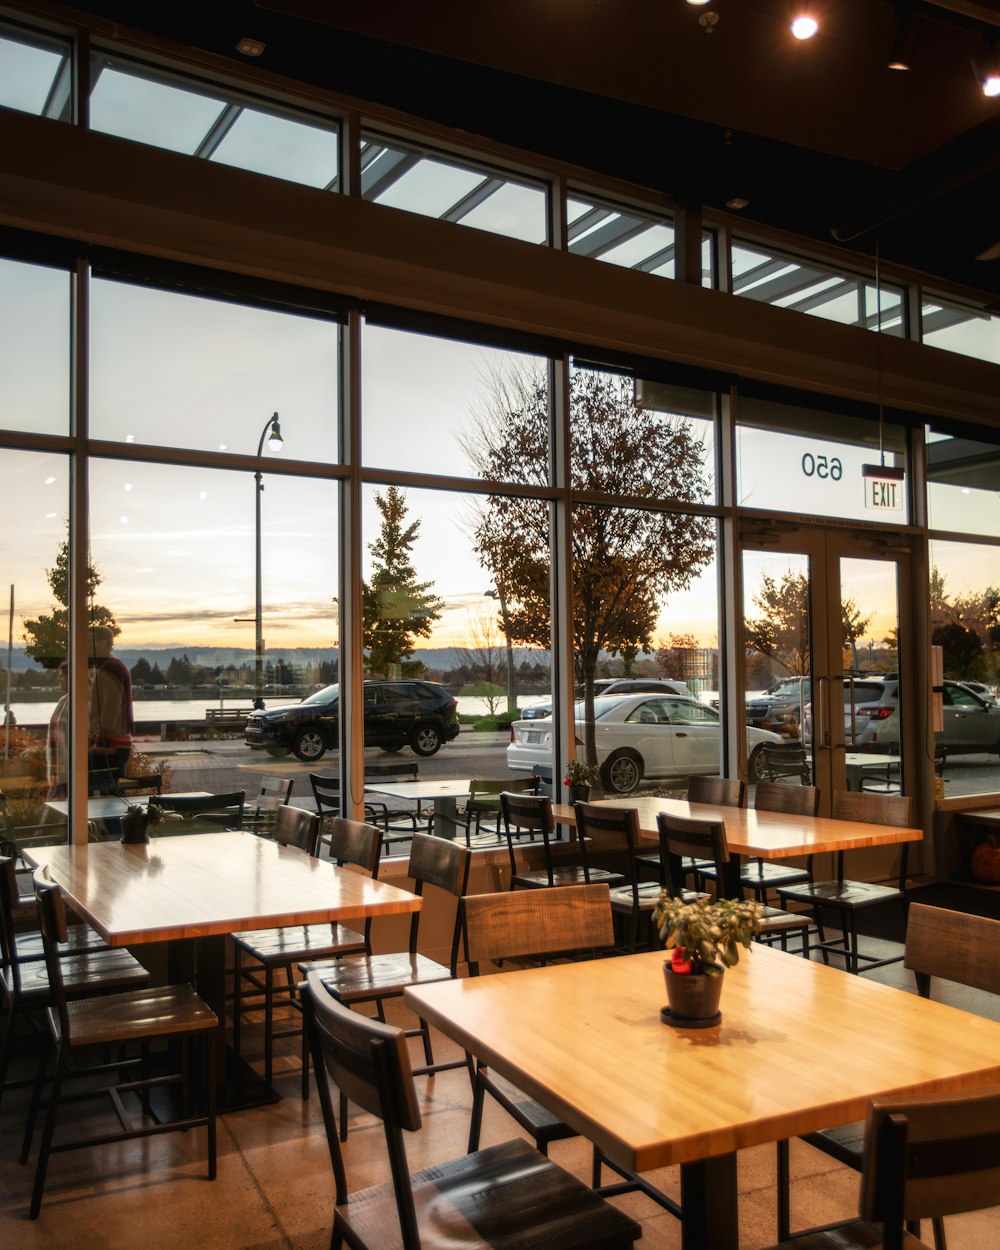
(737, 202)
(804, 26)
(986, 67)
(698, 2)
(250, 47)
(901, 50)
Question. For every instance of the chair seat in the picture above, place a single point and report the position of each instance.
(157, 1012)
(537, 1120)
(376, 976)
(774, 920)
(649, 896)
(81, 937)
(845, 895)
(568, 874)
(763, 875)
(83, 974)
(845, 1143)
(508, 1195)
(314, 941)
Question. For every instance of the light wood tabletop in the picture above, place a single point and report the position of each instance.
(209, 883)
(801, 1046)
(771, 835)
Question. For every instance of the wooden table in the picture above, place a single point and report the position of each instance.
(443, 794)
(191, 891)
(801, 1046)
(770, 835)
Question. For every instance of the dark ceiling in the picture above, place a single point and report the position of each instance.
(819, 137)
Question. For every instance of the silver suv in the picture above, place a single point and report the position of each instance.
(971, 723)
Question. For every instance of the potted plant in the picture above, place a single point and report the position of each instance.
(136, 821)
(704, 938)
(580, 777)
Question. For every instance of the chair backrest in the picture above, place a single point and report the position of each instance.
(444, 863)
(953, 945)
(216, 811)
(9, 894)
(354, 842)
(699, 839)
(294, 826)
(776, 796)
(776, 760)
(614, 829)
(487, 790)
(929, 1156)
(393, 770)
(274, 792)
(897, 810)
(326, 792)
(52, 922)
(536, 923)
(719, 791)
(369, 1063)
(531, 813)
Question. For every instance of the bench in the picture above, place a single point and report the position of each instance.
(227, 716)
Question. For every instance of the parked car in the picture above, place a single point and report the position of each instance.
(639, 737)
(613, 685)
(779, 708)
(980, 688)
(971, 723)
(420, 713)
(872, 702)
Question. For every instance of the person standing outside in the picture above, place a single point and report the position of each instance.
(57, 739)
(111, 718)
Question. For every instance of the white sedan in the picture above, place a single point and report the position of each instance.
(639, 737)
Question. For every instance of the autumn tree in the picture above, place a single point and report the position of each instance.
(398, 609)
(48, 636)
(485, 660)
(855, 627)
(625, 561)
(671, 661)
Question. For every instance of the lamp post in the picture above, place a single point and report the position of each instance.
(511, 698)
(272, 432)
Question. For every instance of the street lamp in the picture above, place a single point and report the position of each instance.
(511, 698)
(272, 432)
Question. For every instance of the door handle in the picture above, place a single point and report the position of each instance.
(821, 730)
(680, 735)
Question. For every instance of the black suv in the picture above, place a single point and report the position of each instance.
(420, 713)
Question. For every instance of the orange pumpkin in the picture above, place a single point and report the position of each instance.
(986, 861)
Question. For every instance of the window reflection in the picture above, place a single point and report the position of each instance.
(34, 348)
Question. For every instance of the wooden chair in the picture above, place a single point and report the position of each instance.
(356, 979)
(845, 898)
(484, 801)
(617, 828)
(282, 949)
(199, 814)
(533, 814)
(142, 1016)
(923, 1157)
(951, 945)
(508, 1195)
(681, 838)
(717, 791)
(274, 793)
(89, 967)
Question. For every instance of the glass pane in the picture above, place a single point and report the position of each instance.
(159, 113)
(28, 74)
(963, 481)
(628, 237)
(451, 636)
(34, 594)
(808, 461)
(177, 553)
(811, 287)
(182, 371)
(280, 147)
(646, 629)
(34, 348)
(441, 406)
(776, 603)
(437, 186)
(959, 328)
(965, 624)
(636, 437)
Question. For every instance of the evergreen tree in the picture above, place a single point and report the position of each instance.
(48, 636)
(398, 608)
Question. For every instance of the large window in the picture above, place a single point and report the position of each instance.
(34, 348)
(628, 237)
(960, 328)
(963, 479)
(34, 74)
(184, 371)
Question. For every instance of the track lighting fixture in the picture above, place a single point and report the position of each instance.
(986, 67)
(901, 50)
(804, 25)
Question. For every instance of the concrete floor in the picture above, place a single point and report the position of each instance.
(275, 1189)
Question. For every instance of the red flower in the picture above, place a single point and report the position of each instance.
(679, 961)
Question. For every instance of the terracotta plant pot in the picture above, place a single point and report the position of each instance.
(692, 998)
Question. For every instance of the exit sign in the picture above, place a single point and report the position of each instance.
(883, 488)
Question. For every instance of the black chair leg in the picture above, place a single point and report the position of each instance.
(784, 1191)
(476, 1118)
(48, 1132)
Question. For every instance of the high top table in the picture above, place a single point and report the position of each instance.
(191, 891)
(801, 1046)
(770, 835)
(444, 794)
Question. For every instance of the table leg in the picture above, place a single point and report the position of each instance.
(445, 818)
(709, 1209)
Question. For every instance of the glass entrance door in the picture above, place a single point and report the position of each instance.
(825, 678)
